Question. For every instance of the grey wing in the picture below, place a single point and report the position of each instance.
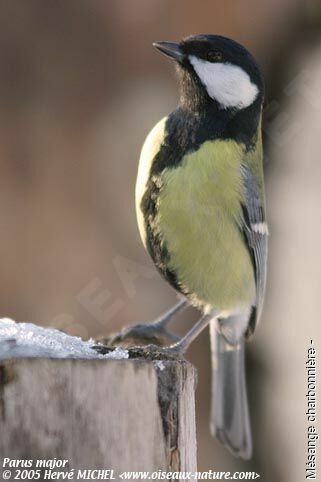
(256, 234)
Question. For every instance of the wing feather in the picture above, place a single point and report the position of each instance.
(255, 229)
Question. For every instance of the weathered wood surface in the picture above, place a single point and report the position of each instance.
(124, 415)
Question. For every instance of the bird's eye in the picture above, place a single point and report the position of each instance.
(214, 56)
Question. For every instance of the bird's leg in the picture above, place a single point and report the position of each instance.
(165, 318)
(152, 331)
(182, 345)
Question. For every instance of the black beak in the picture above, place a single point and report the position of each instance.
(170, 49)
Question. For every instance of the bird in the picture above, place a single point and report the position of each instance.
(200, 204)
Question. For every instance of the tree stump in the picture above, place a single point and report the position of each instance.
(126, 415)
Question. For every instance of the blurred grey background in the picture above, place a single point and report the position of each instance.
(80, 87)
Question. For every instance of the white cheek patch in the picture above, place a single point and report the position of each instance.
(228, 84)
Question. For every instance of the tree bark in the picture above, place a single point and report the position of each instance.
(128, 415)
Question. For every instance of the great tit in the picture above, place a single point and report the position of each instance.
(201, 212)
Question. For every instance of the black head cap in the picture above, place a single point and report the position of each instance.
(216, 69)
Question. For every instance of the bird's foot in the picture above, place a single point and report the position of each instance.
(141, 335)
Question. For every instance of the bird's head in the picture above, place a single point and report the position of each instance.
(215, 70)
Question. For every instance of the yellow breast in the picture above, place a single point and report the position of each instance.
(199, 208)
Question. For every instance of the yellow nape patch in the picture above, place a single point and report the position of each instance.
(198, 212)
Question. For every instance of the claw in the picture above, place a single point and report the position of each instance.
(176, 349)
(143, 334)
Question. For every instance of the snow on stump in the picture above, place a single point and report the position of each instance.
(60, 397)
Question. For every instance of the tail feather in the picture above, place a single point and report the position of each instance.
(230, 421)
